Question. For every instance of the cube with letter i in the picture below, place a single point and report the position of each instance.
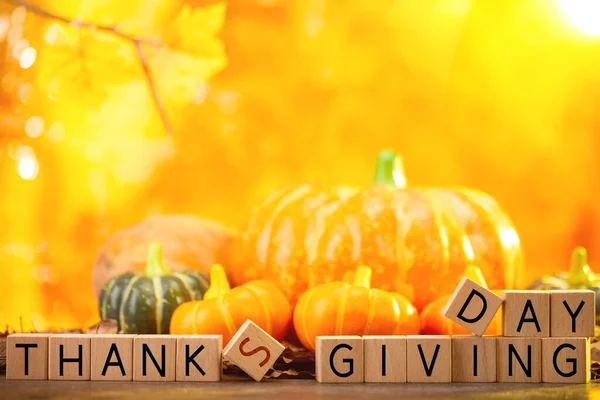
(527, 313)
(473, 359)
(339, 359)
(385, 358)
(472, 306)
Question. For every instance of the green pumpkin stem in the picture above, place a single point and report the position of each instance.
(154, 264)
(580, 273)
(389, 170)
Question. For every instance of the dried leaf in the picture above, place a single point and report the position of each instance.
(108, 326)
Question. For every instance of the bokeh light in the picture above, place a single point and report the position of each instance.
(584, 15)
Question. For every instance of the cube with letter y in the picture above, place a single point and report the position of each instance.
(572, 313)
(253, 350)
(472, 306)
(339, 359)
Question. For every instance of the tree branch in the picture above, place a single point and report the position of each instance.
(136, 42)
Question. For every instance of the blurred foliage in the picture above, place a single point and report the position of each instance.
(502, 96)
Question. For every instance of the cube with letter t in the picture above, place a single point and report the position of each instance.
(339, 359)
(472, 306)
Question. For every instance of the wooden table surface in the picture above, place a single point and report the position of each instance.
(286, 390)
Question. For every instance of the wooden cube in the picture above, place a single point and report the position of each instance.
(154, 358)
(27, 356)
(429, 358)
(339, 359)
(112, 358)
(566, 360)
(572, 313)
(519, 359)
(385, 358)
(527, 313)
(472, 306)
(199, 358)
(473, 359)
(253, 350)
(69, 357)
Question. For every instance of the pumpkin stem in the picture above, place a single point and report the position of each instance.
(474, 273)
(363, 277)
(389, 170)
(580, 273)
(219, 285)
(154, 264)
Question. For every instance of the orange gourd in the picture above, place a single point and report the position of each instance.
(339, 308)
(417, 240)
(224, 310)
(433, 322)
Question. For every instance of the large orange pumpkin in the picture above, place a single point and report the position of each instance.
(418, 241)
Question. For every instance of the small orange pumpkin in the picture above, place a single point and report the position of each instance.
(339, 308)
(224, 310)
(433, 322)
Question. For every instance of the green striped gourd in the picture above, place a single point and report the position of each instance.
(143, 302)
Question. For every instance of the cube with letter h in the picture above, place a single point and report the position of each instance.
(253, 350)
(472, 306)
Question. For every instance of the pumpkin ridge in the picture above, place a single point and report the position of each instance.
(227, 317)
(184, 284)
(265, 236)
(339, 319)
(158, 309)
(106, 291)
(194, 320)
(309, 294)
(371, 313)
(313, 239)
(437, 220)
(268, 326)
(126, 294)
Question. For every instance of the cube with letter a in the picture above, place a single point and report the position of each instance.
(472, 306)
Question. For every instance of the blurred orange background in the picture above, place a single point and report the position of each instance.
(501, 96)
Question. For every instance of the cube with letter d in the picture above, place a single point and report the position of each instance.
(472, 306)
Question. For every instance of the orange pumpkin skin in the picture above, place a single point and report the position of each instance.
(433, 322)
(417, 241)
(339, 308)
(260, 301)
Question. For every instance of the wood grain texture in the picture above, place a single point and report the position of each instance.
(339, 359)
(385, 359)
(112, 358)
(466, 305)
(199, 358)
(527, 313)
(473, 359)
(29, 362)
(572, 313)
(565, 360)
(69, 357)
(253, 350)
(429, 358)
(512, 349)
(154, 358)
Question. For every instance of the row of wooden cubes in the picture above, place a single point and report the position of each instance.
(114, 357)
(526, 313)
(438, 359)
